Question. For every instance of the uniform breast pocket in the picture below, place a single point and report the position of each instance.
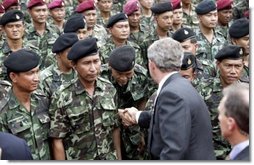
(108, 115)
(19, 126)
(80, 122)
(44, 125)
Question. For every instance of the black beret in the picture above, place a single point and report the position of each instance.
(162, 7)
(116, 18)
(22, 60)
(229, 52)
(239, 28)
(183, 34)
(205, 7)
(122, 58)
(74, 23)
(188, 61)
(64, 41)
(83, 48)
(11, 16)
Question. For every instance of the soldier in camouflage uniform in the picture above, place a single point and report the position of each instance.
(230, 66)
(104, 11)
(26, 113)
(118, 6)
(119, 28)
(13, 26)
(85, 123)
(239, 35)
(62, 71)
(130, 81)
(190, 18)
(209, 42)
(40, 33)
(147, 18)
(88, 9)
(188, 67)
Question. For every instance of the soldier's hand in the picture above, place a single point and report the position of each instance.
(126, 117)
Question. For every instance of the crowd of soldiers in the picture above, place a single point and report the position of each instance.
(92, 58)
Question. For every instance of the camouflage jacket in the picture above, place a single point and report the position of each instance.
(32, 126)
(190, 20)
(101, 34)
(84, 122)
(5, 86)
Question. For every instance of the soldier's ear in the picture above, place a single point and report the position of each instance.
(234, 42)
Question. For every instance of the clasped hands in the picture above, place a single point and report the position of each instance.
(128, 116)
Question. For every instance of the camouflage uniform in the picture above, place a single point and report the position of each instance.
(211, 91)
(101, 34)
(239, 7)
(106, 49)
(148, 23)
(118, 5)
(43, 43)
(191, 20)
(70, 6)
(52, 78)
(32, 126)
(5, 86)
(85, 123)
(130, 96)
(207, 50)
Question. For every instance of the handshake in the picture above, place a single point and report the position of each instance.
(128, 116)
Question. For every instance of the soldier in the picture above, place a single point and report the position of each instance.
(13, 26)
(119, 28)
(62, 71)
(230, 66)
(11, 5)
(190, 18)
(26, 112)
(189, 66)
(130, 81)
(40, 33)
(88, 9)
(57, 13)
(224, 9)
(239, 35)
(104, 11)
(177, 15)
(76, 24)
(85, 124)
(147, 18)
(209, 41)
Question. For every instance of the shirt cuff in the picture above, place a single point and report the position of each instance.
(137, 116)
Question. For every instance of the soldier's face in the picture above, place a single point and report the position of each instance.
(225, 16)
(188, 74)
(90, 17)
(120, 30)
(105, 5)
(230, 70)
(58, 14)
(147, 4)
(88, 68)
(243, 42)
(165, 20)
(209, 20)
(63, 60)
(39, 14)
(14, 8)
(225, 126)
(189, 47)
(26, 81)
(14, 30)
(82, 34)
(134, 18)
(178, 16)
(122, 78)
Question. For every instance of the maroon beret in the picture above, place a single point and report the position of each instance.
(85, 5)
(55, 4)
(224, 4)
(9, 3)
(1, 8)
(130, 7)
(176, 4)
(33, 3)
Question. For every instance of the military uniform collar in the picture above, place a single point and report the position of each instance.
(79, 88)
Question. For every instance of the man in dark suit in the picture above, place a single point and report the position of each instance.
(179, 127)
(234, 119)
(13, 148)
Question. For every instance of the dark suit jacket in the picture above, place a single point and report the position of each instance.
(180, 127)
(244, 154)
(14, 148)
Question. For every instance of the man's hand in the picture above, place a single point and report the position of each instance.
(128, 116)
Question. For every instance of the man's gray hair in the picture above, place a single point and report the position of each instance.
(166, 53)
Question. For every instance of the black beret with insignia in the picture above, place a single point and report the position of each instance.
(64, 41)
(22, 60)
(229, 52)
(83, 48)
(205, 7)
(74, 23)
(188, 61)
(122, 58)
(239, 28)
(11, 16)
(116, 18)
(162, 7)
(183, 34)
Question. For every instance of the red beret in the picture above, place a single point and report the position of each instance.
(130, 7)
(33, 3)
(176, 4)
(55, 4)
(1, 8)
(224, 4)
(85, 5)
(9, 3)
